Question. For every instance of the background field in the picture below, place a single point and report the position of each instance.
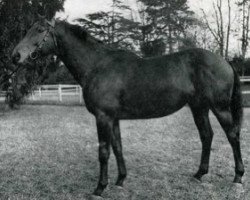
(50, 152)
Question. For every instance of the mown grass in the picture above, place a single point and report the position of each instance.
(50, 152)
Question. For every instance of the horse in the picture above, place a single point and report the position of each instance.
(118, 84)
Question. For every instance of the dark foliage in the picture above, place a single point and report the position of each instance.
(153, 48)
(166, 20)
(112, 27)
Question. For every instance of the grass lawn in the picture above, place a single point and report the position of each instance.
(50, 152)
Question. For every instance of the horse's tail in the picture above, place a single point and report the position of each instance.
(236, 101)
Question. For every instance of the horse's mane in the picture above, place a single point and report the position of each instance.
(81, 33)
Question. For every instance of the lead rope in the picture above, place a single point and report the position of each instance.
(9, 76)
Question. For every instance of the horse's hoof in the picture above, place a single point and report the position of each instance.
(98, 192)
(196, 180)
(95, 197)
(201, 172)
(197, 177)
(119, 187)
(119, 184)
(120, 180)
(237, 179)
(100, 188)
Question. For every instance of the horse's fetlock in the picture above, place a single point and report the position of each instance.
(123, 175)
(240, 171)
(203, 169)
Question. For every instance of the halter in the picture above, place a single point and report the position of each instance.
(34, 54)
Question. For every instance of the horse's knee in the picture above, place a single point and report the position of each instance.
(233, 136)
(117, 149)
(104, 152)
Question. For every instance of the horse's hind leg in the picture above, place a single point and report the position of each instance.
(202, 122)
(117, 148)
(232, 131)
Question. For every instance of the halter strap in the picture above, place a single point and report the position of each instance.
(34, 55)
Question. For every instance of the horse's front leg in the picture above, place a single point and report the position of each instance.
(104, 129)
(117, 148)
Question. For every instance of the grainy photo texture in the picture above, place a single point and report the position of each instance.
(124, 99)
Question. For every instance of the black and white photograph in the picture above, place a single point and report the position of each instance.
(124, 99)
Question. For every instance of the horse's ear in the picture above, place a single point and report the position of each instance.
(41, 17)
(51, 22)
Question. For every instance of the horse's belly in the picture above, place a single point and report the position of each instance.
(153, 106)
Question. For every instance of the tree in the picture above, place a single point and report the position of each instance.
(199, 37)
(188, 42)
(160, 23)
(244, 6)
(150, 44)
(153, 48)
(166, 20)
(112, 27)
(218, 31)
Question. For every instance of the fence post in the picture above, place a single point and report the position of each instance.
(40, 92)
(60, 93)
(32, 95)
(80, 93)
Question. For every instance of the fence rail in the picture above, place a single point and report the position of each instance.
(57, 93)
(245, 80)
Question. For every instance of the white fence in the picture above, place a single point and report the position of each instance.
(53, 93)
(245, 80)
(59, 93)
(2, 95)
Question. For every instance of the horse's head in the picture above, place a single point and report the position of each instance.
(39, 40)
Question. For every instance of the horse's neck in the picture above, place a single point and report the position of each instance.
(78, 57)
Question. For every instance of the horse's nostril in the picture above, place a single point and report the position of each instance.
(16, 57)
(33, 55)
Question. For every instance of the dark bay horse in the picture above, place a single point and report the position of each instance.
(118, 84)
